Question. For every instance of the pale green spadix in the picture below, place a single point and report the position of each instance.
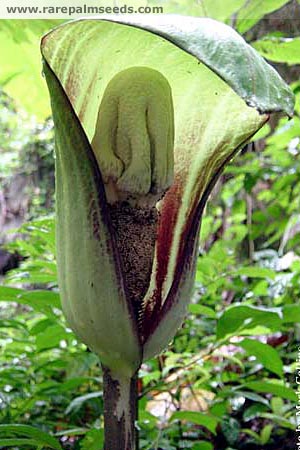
(126, 269)
(134, 136)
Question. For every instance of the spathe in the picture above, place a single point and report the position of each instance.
(214, 76)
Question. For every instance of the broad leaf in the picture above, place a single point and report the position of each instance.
(291, 314)
(93, 440)
(77, 403)
(202, 310)
(50, 337)
(272, 388)
(256, 272)
(42, 301)
(206, 420)
(264, 354)
(254, 10)
(202, 445)
(20, 69)
(244, 319)
(34, 435)
(281, 50)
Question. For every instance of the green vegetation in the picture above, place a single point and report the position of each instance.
(227, 381)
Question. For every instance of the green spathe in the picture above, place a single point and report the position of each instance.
(89, 269)
(214, 76)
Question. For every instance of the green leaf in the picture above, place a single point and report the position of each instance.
(37, 436)
(50, 337)
(41, 301)
(202, 310)
(40, 326)
(11, 323)
(218, 9)
(254, 411)
(291, 314)
(22, 30)
(277, 405)
(256, 272)
(281, 50)
(77, 403)
(272, 388)
(31, 275)
(265, 434)
(279, 420)
(72, 432)
(13, 442)
(242, 319)
(202, 445)
(203, 419)
(93, 440)
(282, 138)
(254, 397)
(254, 10)
(265, 354)
(5, 79)
(260, 289)
(255, 436)
(20, 55)
(231, 429)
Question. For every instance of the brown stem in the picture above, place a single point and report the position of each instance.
(120, 411)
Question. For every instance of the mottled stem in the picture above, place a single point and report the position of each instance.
(120, 411)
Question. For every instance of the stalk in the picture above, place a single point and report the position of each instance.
(120, 411)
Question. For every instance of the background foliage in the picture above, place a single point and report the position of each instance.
(227, 381)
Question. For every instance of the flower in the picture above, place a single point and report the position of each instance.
(128, 215)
